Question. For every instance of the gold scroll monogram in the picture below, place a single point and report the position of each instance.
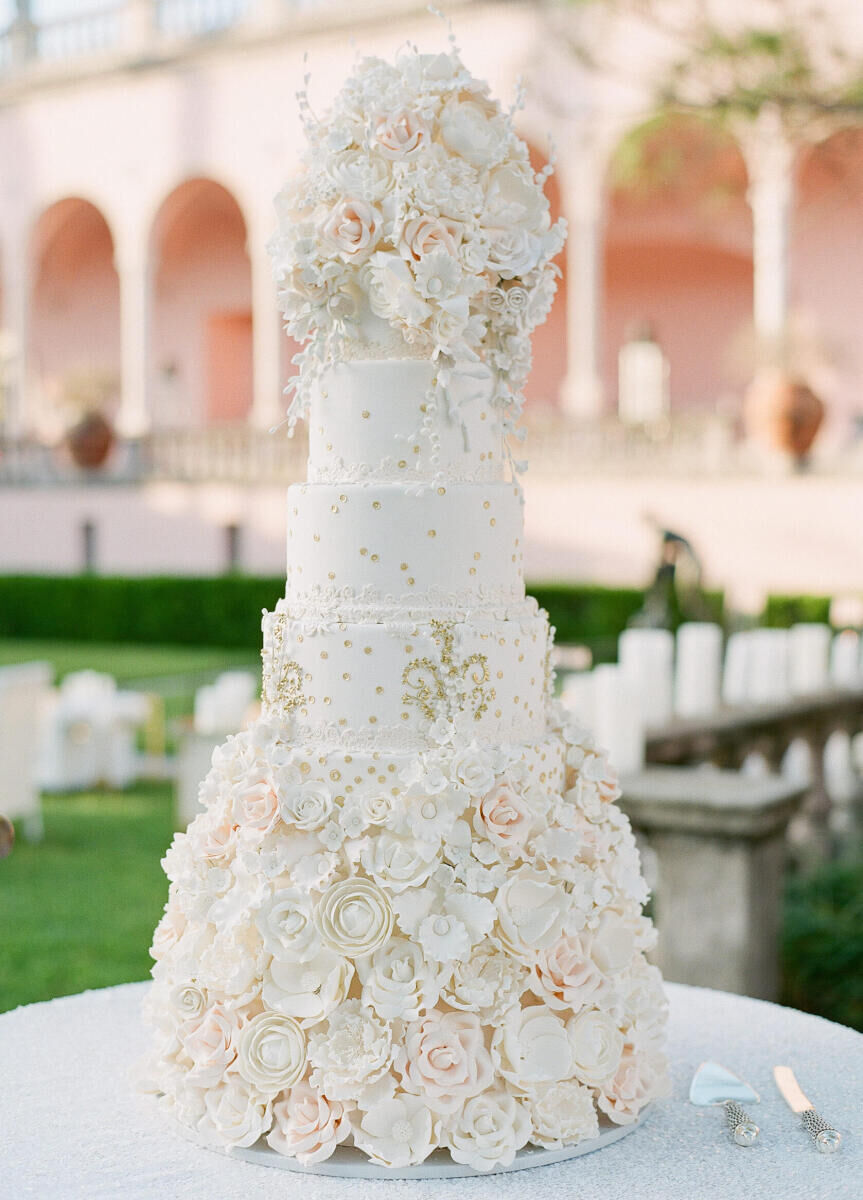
(283, 681)
(450, 684)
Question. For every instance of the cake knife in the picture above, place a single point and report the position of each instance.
(826, 1138)
(713, 1084)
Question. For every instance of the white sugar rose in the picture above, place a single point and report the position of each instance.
(513, 252)
(472, 768)
(400, 135)
(355, 917)
(597, 1045)
(638, 1079)
(513, 201)
(271, 1052)
(353, 229)
(377, 808)
(393, 292)
(487, 982)
(307, 991)
(562, 1114)
(531, 911)
(504, 817)
(287, 926)
(211, 1045)
(397, 1132)
(399, 862)
(256, 805)
(565, 975)
(168, 932)
(533, 1047)
(446, 1059)
(354, 1050)
(426, 234)
(613, 942)
(474, 130)
(398, 982)
(306, 805)
(236, 1113)
(488, 1131)
(187, 1001)
(307, 1125)
(354, 173)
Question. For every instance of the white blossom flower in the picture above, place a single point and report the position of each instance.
(531, 910)
(287, 925)
(308, 991)
(562, 1114)
(533, 1046)
(488, 1131)
(397, 1132)
(597, 1045)
(438, 275)
(488, 982)
(473, 129)
(271, 1052)
(399, 862)
(398, 981)
(351, 1051)
(307, 1125)
(236, 1113)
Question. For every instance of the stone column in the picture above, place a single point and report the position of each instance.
(140, 26)
(582, 190)
(135, 272)
(719, 840)
(18, 414)
(770, 160)
(268, 405)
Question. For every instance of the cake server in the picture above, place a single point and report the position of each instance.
(826, 1138)
(713, 1084)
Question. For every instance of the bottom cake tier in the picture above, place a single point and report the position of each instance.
(406, 953)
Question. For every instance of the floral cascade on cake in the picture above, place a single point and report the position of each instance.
(409, 914)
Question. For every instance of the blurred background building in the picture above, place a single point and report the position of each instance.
(710, 169)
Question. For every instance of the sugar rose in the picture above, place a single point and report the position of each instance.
(597, 1045)
(399, 862)
(638, 1079)
(503, 816)
(187, 1001)
(256, 805)
(533, 1047)
(471, 128)
(353, 228)
(235, 1113)
(562, 1114)
(531, 911)
(446, 1059)
(422, 235)
(307, 991)
(211, 1045)
(398, 982)
(400, 135)
(488, 1131)
(307, 1126)
(306, 805)
(271, 1052)
(287, 926)
(565, 975)
(355, 917)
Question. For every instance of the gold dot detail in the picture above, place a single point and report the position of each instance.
(403, 566)
(364, 550)
(432, 533)
(441, 491)
(376, 503)
(348, 643)
(366, 414)
(376, 558)
(367, 650)
(335, 775)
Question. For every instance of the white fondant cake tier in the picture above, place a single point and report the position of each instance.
(457, 542)
(394, 678)
(392, 421)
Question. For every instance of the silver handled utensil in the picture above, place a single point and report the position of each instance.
(714, 1085)
(826, 1138)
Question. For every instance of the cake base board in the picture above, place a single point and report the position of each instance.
(348, 1163)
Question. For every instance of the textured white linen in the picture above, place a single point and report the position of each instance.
(74, 1127)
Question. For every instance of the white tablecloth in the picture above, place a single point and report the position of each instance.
(71, 1124)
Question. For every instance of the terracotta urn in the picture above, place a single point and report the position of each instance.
(783, 411)
(90, 441)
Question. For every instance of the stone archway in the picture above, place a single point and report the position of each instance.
(73, 351)
(201, 322)
(549, 339)
(678, 255)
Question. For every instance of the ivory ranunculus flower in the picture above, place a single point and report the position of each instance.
(597, 1045)
(355, 917)
(399, 135)
(531, 910)
(211, 1045)
(562, 1114)
(446, 1059)
(353, 228)
(488, 1131)
(533, 1047)
(397, 1132)
(271, 1052)
(504, 817)
(307, 991)
(307, 1126)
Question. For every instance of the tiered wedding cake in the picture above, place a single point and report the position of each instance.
(409, 915)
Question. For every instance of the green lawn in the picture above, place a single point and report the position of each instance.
(128, 663)
(78, 909)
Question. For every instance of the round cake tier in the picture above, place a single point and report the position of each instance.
(455, 545)
(398, 420)
(349, 682)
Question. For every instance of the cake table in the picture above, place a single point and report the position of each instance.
(73, 1126)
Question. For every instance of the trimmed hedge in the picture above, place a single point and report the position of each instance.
(781, 612)
(225, 610)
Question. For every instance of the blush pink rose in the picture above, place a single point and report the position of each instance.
(353, 228)
(307, 1126)
(219, 836)
(638, 1079)
(424, 234)
(211, 1045)
(565, 975)
(168, 932)
(503, 817)
(401, 134)
(256, 805)
(446, 1059)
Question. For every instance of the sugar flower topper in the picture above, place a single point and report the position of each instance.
(416, 220)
